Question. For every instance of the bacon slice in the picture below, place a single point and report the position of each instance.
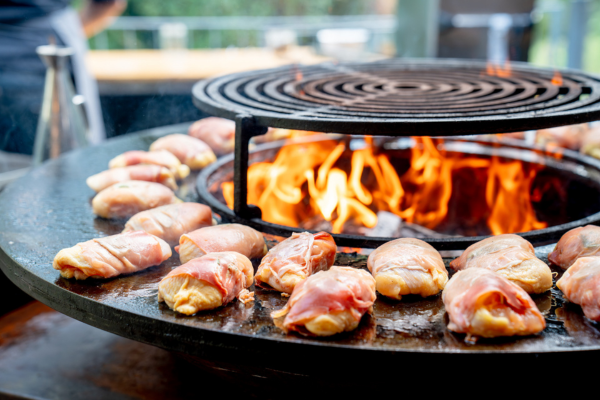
(161, 157)
(407, 266)
(207, 282)
(483, 303)
(295, 259)
(111, 256)
(577, 243)
(512, 257)
(329, 302)
(122, 200)
(189, 150)
(171, 221)
(226, 237)
(149, 173)
(218, 133)
(581, 285)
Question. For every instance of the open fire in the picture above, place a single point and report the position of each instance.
(328, 181)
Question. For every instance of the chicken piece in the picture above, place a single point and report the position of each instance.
(579, 242)
(581, 285)
(590, 145)
(407, 266)
(569, 137)
(160, 157)
(512, 257)
(122, 200)
(190, 151)
(207, 282)
(483, 303)
(295, 259)
(329, 302)
(226, 237)
(148, 173)
(218, 133)
(272, 135)
(111, 256)
(171, 221)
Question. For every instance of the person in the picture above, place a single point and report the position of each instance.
(27, 24)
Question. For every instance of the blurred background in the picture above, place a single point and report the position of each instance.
(148, 59)
(146, 54)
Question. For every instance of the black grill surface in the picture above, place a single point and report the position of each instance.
(405, 97)
(49, 209)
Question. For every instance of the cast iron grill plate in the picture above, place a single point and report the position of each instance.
(49, 209)
(404, 97)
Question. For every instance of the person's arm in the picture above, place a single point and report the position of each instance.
(96, 15)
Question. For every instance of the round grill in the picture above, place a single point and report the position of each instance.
(400, 97)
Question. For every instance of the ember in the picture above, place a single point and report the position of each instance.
(326, 179)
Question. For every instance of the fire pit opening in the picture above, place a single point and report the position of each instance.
(427, 187)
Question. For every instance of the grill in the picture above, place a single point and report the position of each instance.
(404, 98)
(394, 98)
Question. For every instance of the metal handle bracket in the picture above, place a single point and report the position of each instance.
(245, 129)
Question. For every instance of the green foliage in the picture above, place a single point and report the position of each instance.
(543, 53)
(247, 7)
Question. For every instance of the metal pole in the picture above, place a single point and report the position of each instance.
(499, 27)
(577, 31)
(556, 19)
(418, 28)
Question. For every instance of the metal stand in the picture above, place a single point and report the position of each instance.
(245, 129)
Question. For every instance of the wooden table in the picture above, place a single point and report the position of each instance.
(174, 71)
(47, 355)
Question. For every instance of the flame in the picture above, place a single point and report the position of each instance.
(511, 212)
(501, 71)
(315, 179)
(557, 79)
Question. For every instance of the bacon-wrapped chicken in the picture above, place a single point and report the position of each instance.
(512, 257)
(274, 134)
(122, 200)
(329, 302)
(189, 150)
(295, 259)
(171, 221)
(218, 133)
(483, 303)
(581, 285)
(226, 237)
(407, 266)
(207, 282)
(111, 256)
(569, 137)
(160, 157)
(590, 144)
(579, 242)
(148, 173)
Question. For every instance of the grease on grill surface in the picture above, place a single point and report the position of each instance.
(50, 210)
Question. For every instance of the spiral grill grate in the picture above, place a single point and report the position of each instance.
(398, 97)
